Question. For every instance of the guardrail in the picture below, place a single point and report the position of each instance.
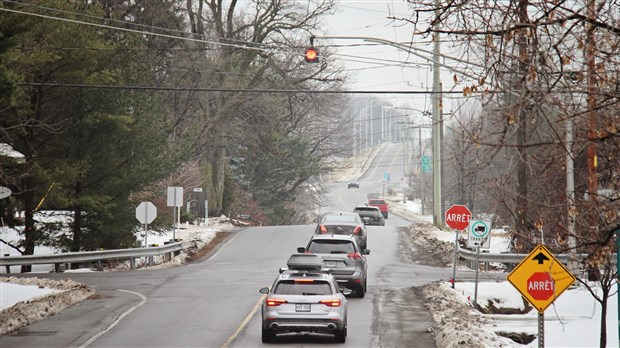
(88, 256)
(502, 258)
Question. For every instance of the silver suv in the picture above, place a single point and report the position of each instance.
(342, 255)
(304, 298)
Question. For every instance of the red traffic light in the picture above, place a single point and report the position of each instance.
(312, 56)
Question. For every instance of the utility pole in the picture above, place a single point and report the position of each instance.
(592, 134)
(436, 132)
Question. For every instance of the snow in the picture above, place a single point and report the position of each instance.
(573, 320)
(14, 293)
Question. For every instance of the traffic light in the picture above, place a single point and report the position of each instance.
(312, 56)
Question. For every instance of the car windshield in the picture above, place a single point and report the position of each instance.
(331, 247)
(290, 287)
(339, 218)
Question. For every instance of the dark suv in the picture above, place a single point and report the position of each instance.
(370, 215)
(346, 260)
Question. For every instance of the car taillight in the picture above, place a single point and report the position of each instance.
(357, 230)
(323, 229)
(272, 302)
(331, 303)
(354, 256)
(304, 280)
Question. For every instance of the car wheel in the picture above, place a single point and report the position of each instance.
(360, 291)
(341, 335)
(268, 336)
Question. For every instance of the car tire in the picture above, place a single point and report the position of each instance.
(360, 291)
(268, 336)
(340, 336)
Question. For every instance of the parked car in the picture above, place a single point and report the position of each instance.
(370, 215)
(353, 183)
(344, 223)
(304, 298)
(381, 204)
(343, 256)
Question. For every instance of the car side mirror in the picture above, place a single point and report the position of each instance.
(301, 250)
(346, 291)
(264, 290)
(366, 252)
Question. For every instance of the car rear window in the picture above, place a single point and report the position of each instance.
(377, 201)
(290, 287)
(339, 218)
(331, 247)
(371, 209)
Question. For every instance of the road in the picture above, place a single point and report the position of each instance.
(215, 302)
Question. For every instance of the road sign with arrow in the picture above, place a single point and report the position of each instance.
(541, 278)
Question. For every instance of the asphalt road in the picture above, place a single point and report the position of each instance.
(215, 302)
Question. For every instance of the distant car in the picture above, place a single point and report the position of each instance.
(304, 298)
(353, 183)
(343, 256)
(381, 204)
(344, 223)
(370, 215)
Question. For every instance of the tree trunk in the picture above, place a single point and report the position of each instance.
(30, 230)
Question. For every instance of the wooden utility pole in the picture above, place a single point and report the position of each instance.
(591, 102)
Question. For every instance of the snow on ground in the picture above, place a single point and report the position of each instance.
(26, 300)
(573, 320)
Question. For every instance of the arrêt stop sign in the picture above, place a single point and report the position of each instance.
(457, 217)
(541, 286)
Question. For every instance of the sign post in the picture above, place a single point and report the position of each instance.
(174, 200)
(541, 278)
(457, 217)
(478, 236)
(146, 212)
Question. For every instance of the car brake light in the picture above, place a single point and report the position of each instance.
(354, 256)
(274, 301)
(357, 230)
(304, 280)
(323, 229)
(331, 303)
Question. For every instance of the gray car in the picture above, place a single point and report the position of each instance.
(304, 298)
(345, 222)
(346, 260)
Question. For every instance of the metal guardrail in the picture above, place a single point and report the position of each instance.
(502, 258)
(85, 256)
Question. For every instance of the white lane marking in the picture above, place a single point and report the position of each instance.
(92, 339)
(244, 323)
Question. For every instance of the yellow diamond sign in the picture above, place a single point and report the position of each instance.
(541, 278)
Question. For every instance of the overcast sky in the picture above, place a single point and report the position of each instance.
(383, 67)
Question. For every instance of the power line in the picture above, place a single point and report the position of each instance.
(229, 90)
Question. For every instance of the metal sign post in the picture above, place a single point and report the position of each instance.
(146, 212)
(457, 217)
(175, 200)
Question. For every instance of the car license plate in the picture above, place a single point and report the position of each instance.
(331, 264)
(302, 307)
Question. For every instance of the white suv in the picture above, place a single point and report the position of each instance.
(304, 298)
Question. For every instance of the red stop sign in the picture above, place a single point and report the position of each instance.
(458, 217)
(541, 286)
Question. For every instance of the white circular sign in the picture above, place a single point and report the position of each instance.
(4, 192)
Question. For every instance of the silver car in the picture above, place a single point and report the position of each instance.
(343, 256)
(304, 298)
